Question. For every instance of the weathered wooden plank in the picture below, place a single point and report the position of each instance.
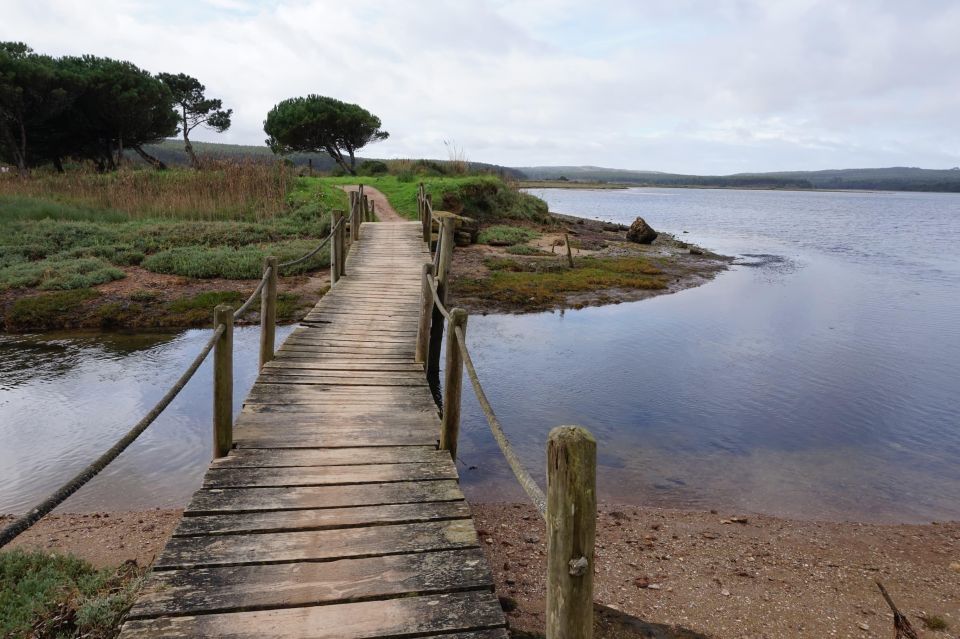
(301, 497)
(397, 617)
(236, 588)
(320, 518)
(266, 458)
(328, 475)
(315, 545)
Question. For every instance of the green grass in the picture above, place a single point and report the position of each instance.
(524, 249)
(45, 311)
(506, 235)
(50, 244)
(485, 198)
(44, 595)
(540, 282)
(935, 623)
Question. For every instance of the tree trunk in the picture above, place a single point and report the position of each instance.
(58, 164)
(149, 159)
(338, 158)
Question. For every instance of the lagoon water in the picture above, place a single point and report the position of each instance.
(818, 378)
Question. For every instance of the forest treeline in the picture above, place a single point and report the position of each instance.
(93, 108)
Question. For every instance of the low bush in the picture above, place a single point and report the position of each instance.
(49, 595)
(505, 235)
(59, 274)
(372, 167)
(242, 263)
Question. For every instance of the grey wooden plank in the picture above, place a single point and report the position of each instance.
(328, 475)
(302, 497)
(320, 518)
(267, 458)
(236, 588)
(315, 545)
(395, 617)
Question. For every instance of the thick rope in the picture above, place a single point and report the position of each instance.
(526, 481)
(23, 523)
(314, 251)
(246, 305)
(432, 281)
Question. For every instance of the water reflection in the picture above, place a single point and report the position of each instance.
(65, 398)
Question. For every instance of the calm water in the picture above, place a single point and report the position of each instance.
(65, 399)
(818, 378)
(821, 378)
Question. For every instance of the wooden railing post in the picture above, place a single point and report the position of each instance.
(336, 247)
(444, 257)
(355, 218)
(373, 210)
(571, 528)
(426, 310)
(453, 384)
(268, 313)
(428, 219)
(223, 382)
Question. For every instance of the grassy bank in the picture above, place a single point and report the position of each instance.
(155, 238)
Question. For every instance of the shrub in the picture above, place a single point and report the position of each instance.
(505, 235)
(372, 167)
(525, 249)
(49, 595)
(59, 274)
(243, 263)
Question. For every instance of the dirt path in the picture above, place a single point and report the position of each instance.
(385, 212)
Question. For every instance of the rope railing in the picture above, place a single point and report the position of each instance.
(221, 343)
(333, 229)
(569, 504)
(526, 481)
(91, 471)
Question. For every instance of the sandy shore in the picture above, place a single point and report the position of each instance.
(710, 573)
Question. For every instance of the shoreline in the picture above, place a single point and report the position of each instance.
(720, 574)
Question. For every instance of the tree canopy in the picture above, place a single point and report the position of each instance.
(92, 108)
(195, 109)
(320, 124)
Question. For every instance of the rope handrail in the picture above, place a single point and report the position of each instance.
(9, 533)
(432, 281)
(314, 251)
(527, 482)
(246, 305)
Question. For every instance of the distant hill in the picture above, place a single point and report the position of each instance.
(171, 152)
(885, 179)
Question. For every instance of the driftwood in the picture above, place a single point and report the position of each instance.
(901, 624)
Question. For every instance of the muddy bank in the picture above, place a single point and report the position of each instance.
(735, 575)
(608, 269)
(682, 573)
(148, 300)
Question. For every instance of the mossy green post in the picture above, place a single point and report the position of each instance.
(268, 312)
(453, 383)
(571, 529)
(223, 382)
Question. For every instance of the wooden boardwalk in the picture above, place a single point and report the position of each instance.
(335, 515)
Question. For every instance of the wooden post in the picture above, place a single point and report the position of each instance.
(571, 528)
(569, 254)
(223, 382)
(426, 308)
(336, 247)
(428, 220)
(452, 384)
(444, 256)
(268, 313)
(373, 210)
(355, 219)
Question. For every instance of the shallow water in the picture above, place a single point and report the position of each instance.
(66, 398)
(818, 378)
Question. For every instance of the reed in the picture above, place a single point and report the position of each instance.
(247, 190)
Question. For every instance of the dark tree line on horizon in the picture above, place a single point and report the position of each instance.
(93, 108)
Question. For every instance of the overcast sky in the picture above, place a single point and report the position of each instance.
(672, 85)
